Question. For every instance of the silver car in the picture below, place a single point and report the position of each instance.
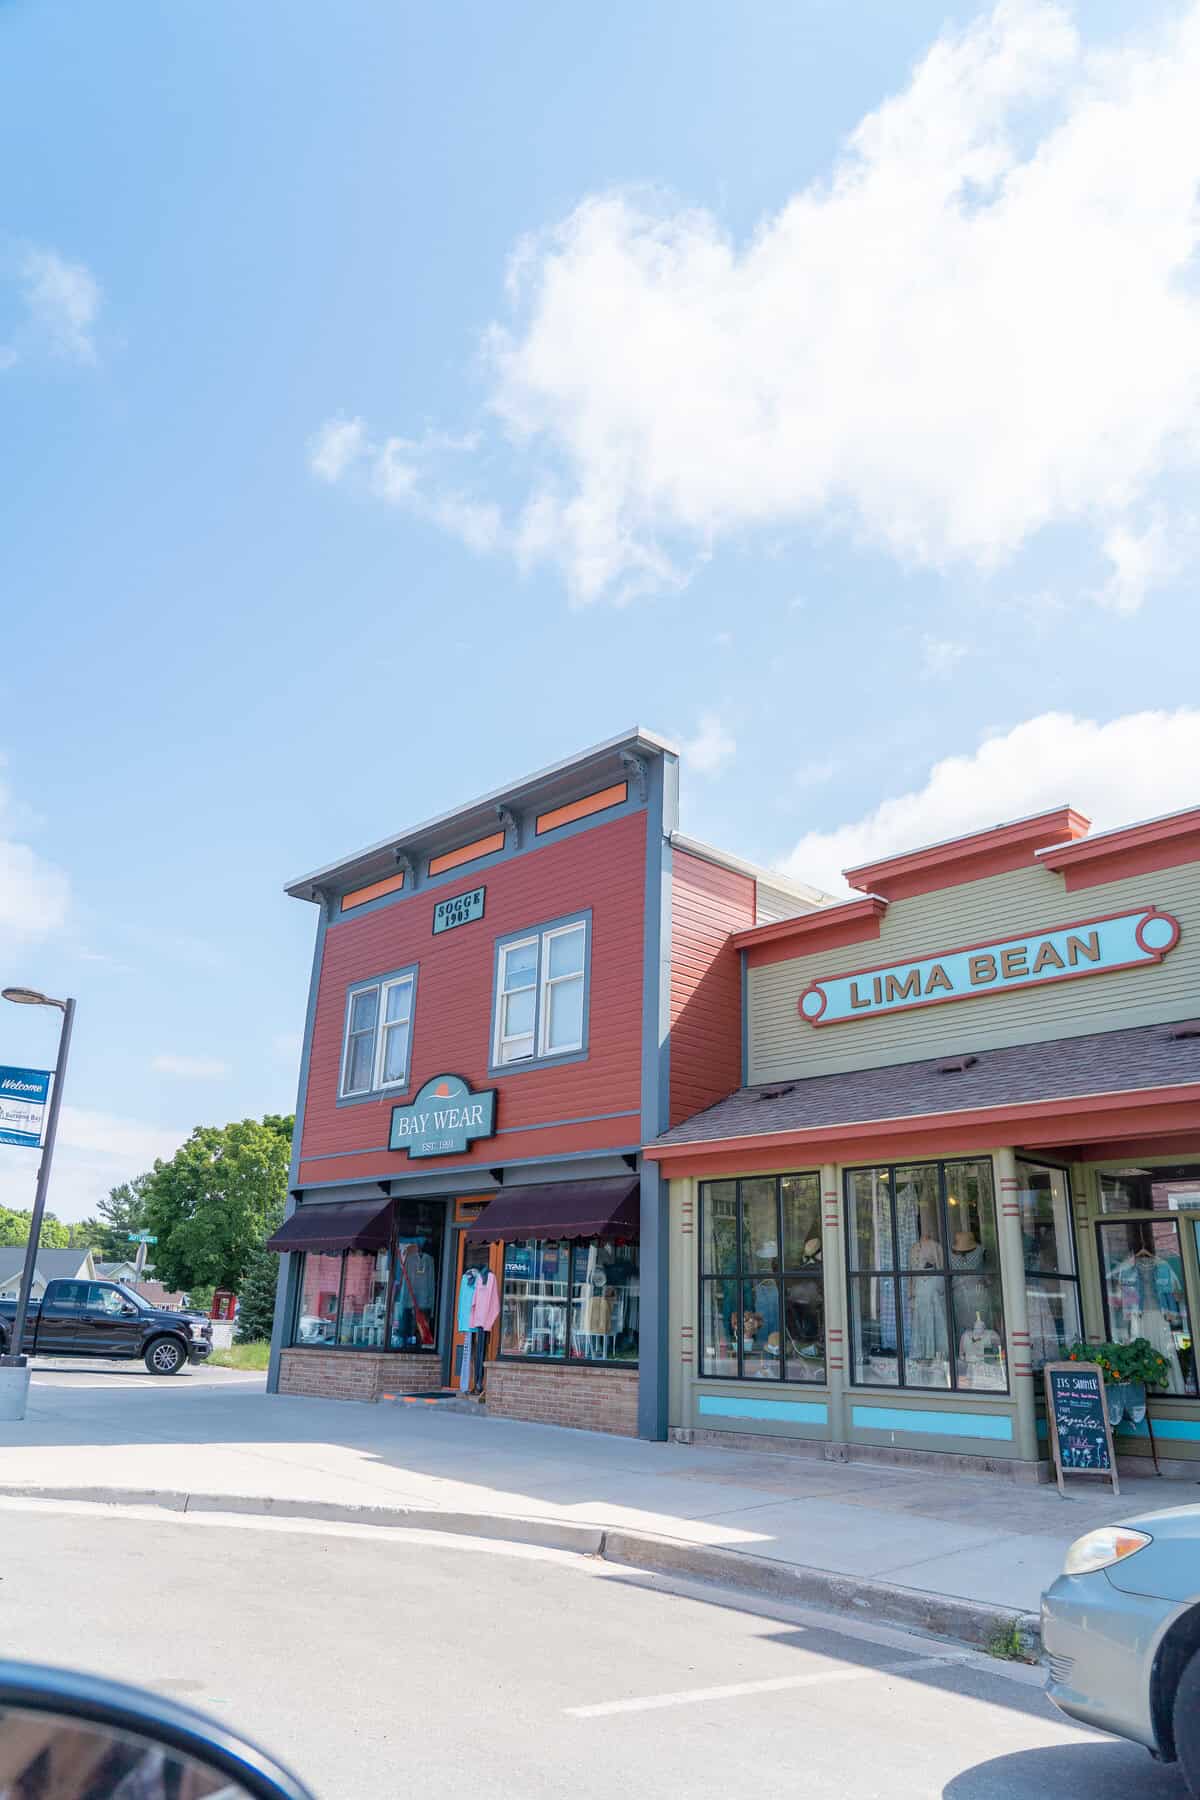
(1121, 1631)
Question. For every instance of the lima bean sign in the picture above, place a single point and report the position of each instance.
(22, 1105)
(443, 1118)
(1093, 947)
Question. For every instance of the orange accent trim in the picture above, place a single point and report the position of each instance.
(1096, 1117)
(991, 852)
(581, 809)
(852, 922)
(1137, 850)
(360, 896)
(453, 859)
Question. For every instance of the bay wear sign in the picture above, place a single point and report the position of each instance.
(23, 1095)
(1093, 947)
(443, 1118)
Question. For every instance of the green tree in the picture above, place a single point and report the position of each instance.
(122, 1210)
(213, 1204)
(256, 1297)
(14, 1229)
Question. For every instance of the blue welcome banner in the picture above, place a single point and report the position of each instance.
(23, 1095)
(1093, 947)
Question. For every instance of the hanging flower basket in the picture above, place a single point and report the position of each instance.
(1137, 1363)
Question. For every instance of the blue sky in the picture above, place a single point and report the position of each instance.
(395, 399)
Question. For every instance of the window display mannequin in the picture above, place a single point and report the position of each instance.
(979, 1359)
(967, 1255)
(1147, 1301)
(927, 1332)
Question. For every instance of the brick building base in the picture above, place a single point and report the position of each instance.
(590, 1399)
(357, 1374)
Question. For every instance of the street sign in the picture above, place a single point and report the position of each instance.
(22, 1103)
(140, 1237)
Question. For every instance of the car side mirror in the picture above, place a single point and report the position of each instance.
(128, 1309)
(78, 1737)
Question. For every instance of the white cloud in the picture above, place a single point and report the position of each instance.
(33, 893)
(711, 748)
(407, 473)
(940, 656)
(979, 322)
(1139, 561)
(199, 1068)
(63, 299)
(95, 1151)
(108, 1134)
(1131, 768)
(816, 772)
(338, 444)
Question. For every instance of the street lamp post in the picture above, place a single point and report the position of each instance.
(15, 1358)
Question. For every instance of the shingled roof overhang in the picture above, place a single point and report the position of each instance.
(1105, 1088)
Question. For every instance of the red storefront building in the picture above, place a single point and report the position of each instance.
(506, 1003)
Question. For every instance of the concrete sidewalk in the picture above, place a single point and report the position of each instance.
(980, 1545)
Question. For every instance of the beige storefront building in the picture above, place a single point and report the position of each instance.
(969, 1136)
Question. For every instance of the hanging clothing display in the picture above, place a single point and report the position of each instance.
(421, 1273)
(466, 1298)
(485, 1301)
(1147, 1289)
(927, 1322)
(908, 1229)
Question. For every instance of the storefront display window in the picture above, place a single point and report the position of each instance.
(343, 1295)
(317, 1302)
(577, 1300)
(925, 1302)
(416, 1275)
(1141, 1265)
(1172, 1189)
(364, 1299)
(1051, 1280)
(762, 1297)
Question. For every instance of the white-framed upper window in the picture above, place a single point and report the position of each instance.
(378, 1033)
(540, 993)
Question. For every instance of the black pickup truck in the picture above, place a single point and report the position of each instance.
(103, 1318)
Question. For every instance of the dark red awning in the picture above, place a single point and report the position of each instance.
(562, 1209)
(355, 1225)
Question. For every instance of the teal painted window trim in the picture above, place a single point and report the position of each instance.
(791, 1412)
(996, 1426)
(1182, 1430)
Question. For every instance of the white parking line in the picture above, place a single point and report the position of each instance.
(736, 1691)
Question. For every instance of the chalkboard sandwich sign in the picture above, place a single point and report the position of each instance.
(1077, 1419)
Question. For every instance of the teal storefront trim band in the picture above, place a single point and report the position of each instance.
(783, 1412)
(934, 1424)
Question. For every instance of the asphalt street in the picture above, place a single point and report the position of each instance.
(384, 1664)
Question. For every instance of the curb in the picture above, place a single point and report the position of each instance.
(978, 1623)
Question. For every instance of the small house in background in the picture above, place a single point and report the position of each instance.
(120, 1271)
(155, 1294)
(51, 1265)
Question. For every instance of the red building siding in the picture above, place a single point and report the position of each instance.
(707, 904)
(537, 1110)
